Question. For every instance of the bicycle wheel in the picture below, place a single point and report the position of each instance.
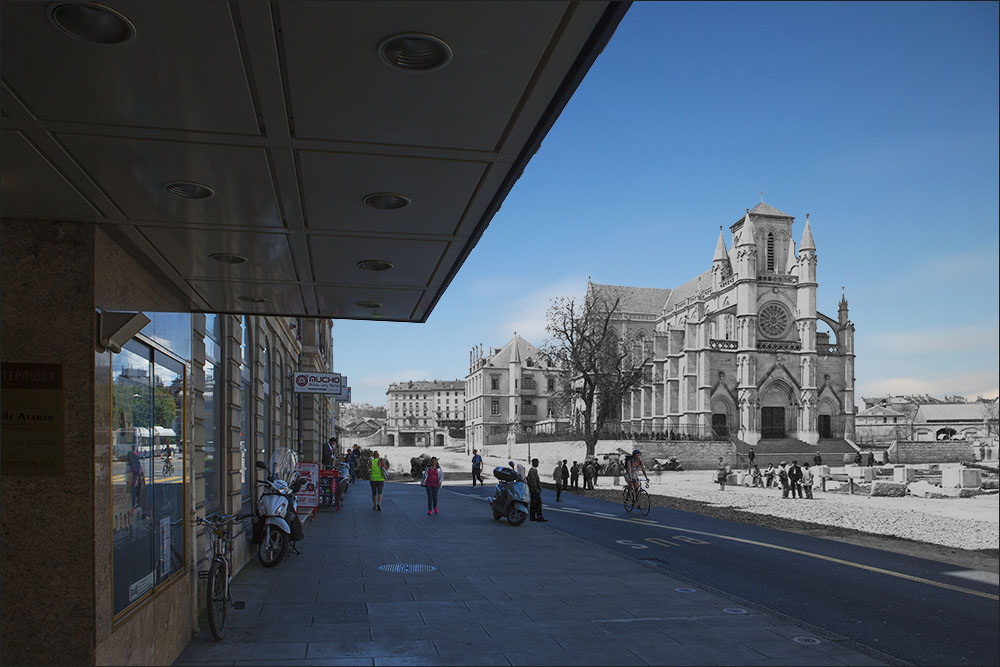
(216, 603)
(642, 502)
(627, 499)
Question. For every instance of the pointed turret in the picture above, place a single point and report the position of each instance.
(747, 232)
(721, 254)
(807, 238)
(842, 313)
(515, 352)
(792, 259)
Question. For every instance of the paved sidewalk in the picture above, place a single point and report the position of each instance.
(499, 595)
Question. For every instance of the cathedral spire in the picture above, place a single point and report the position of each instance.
(807, 238)
(747, 233)
(721, 254)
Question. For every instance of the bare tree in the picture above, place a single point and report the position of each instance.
(990, 419)
(602, 366)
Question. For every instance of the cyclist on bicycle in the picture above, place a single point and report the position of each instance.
(633, 466)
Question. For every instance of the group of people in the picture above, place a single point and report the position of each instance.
(795, 481)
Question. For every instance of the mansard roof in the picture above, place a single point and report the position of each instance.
(642, 300)
(516, 349)
(427, 385)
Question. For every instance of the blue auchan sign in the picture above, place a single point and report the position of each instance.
(319, 383)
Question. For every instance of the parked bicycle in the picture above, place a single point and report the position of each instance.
(632, 499)
(220, 572)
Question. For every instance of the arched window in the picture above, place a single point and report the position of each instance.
(770, 251)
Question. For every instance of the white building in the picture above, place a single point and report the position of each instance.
(422, 413)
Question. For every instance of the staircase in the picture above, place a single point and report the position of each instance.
(776, 450)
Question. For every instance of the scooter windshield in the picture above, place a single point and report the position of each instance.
(283, 464)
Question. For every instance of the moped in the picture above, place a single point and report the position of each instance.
(277, 526)
(511, 496)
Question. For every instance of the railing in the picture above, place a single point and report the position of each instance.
(529, 410)
(779, 345)
(787, 280)
(727, 282)
(528, 387)
(828, 349)
(718, 344)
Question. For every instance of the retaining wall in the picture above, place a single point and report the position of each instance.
(693, 455)
(935, 451)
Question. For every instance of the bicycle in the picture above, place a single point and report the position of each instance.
(220, 571)
(639, 499)
(168, 468)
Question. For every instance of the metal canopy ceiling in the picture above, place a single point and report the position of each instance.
(291, 115)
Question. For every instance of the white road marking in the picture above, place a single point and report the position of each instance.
(976, 575)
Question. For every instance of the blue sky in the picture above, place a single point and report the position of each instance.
(879, 119)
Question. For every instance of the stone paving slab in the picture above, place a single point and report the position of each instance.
(500, 595)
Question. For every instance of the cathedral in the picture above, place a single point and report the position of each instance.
(735, 352)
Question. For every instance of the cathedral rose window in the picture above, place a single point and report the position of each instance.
(773, 320)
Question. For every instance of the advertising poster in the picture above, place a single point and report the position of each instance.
(308, 495)
(318, 383)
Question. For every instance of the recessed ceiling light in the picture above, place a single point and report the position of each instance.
(374, 265)
(386, 201)
(368, 304)
(251, 299)
(414, 52)
(228, 258)
(92, 22)
(189, 190)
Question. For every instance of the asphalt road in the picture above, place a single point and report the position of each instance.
(917, 611)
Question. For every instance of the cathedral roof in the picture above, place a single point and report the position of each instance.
(763, 209)
(644, 300)
(689, 289)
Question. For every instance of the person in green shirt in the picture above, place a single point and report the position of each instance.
(377, 479)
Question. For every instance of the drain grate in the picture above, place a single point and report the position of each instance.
(805, 640)
(406, 568)
(735, 610)
(685, 590)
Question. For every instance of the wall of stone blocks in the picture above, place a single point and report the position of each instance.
(941, 451)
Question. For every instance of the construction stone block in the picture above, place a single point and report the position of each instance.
(903, 475)
(961, 478)
(884, 488)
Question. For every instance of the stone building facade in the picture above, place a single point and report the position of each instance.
(421, 413)
(735, 351)
(509, 391)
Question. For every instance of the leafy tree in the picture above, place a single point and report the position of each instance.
(603, 367)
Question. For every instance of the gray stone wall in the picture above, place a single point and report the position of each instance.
(941, 451)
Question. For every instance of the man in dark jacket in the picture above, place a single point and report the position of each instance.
(565, 475)
(328, 451)
(574, 475)
(783, 479)
(795, 479)
(535, 492)
(557, 478)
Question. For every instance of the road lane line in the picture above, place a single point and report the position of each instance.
(800, 552)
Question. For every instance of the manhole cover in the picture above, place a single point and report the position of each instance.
(735, 610)
(685, 590)
(805, 640)
(406, 568)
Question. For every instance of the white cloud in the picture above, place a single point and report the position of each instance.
(967, 339)
(526, 314)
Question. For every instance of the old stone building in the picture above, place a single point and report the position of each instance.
(423, 413)
(736, 351)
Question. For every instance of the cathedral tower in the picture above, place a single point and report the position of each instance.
(805, 321)
(745, 246)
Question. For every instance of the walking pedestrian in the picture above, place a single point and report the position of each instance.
(795, 479)
(783, 479)
(328, 450)
(751, 456)
(565, 475)
(557, 478)
(574, 475)
(721, 473)
(433, 476)
(535, 493)
(807, 481)
(376, 477)
(477, 468)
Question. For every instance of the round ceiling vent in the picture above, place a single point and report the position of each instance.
(368, 304)
(92, 22)
(227, 258)
(415, 52)
(386, 201)
(374, 265)
(189, 190)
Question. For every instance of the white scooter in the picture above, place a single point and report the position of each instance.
(276, 526)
